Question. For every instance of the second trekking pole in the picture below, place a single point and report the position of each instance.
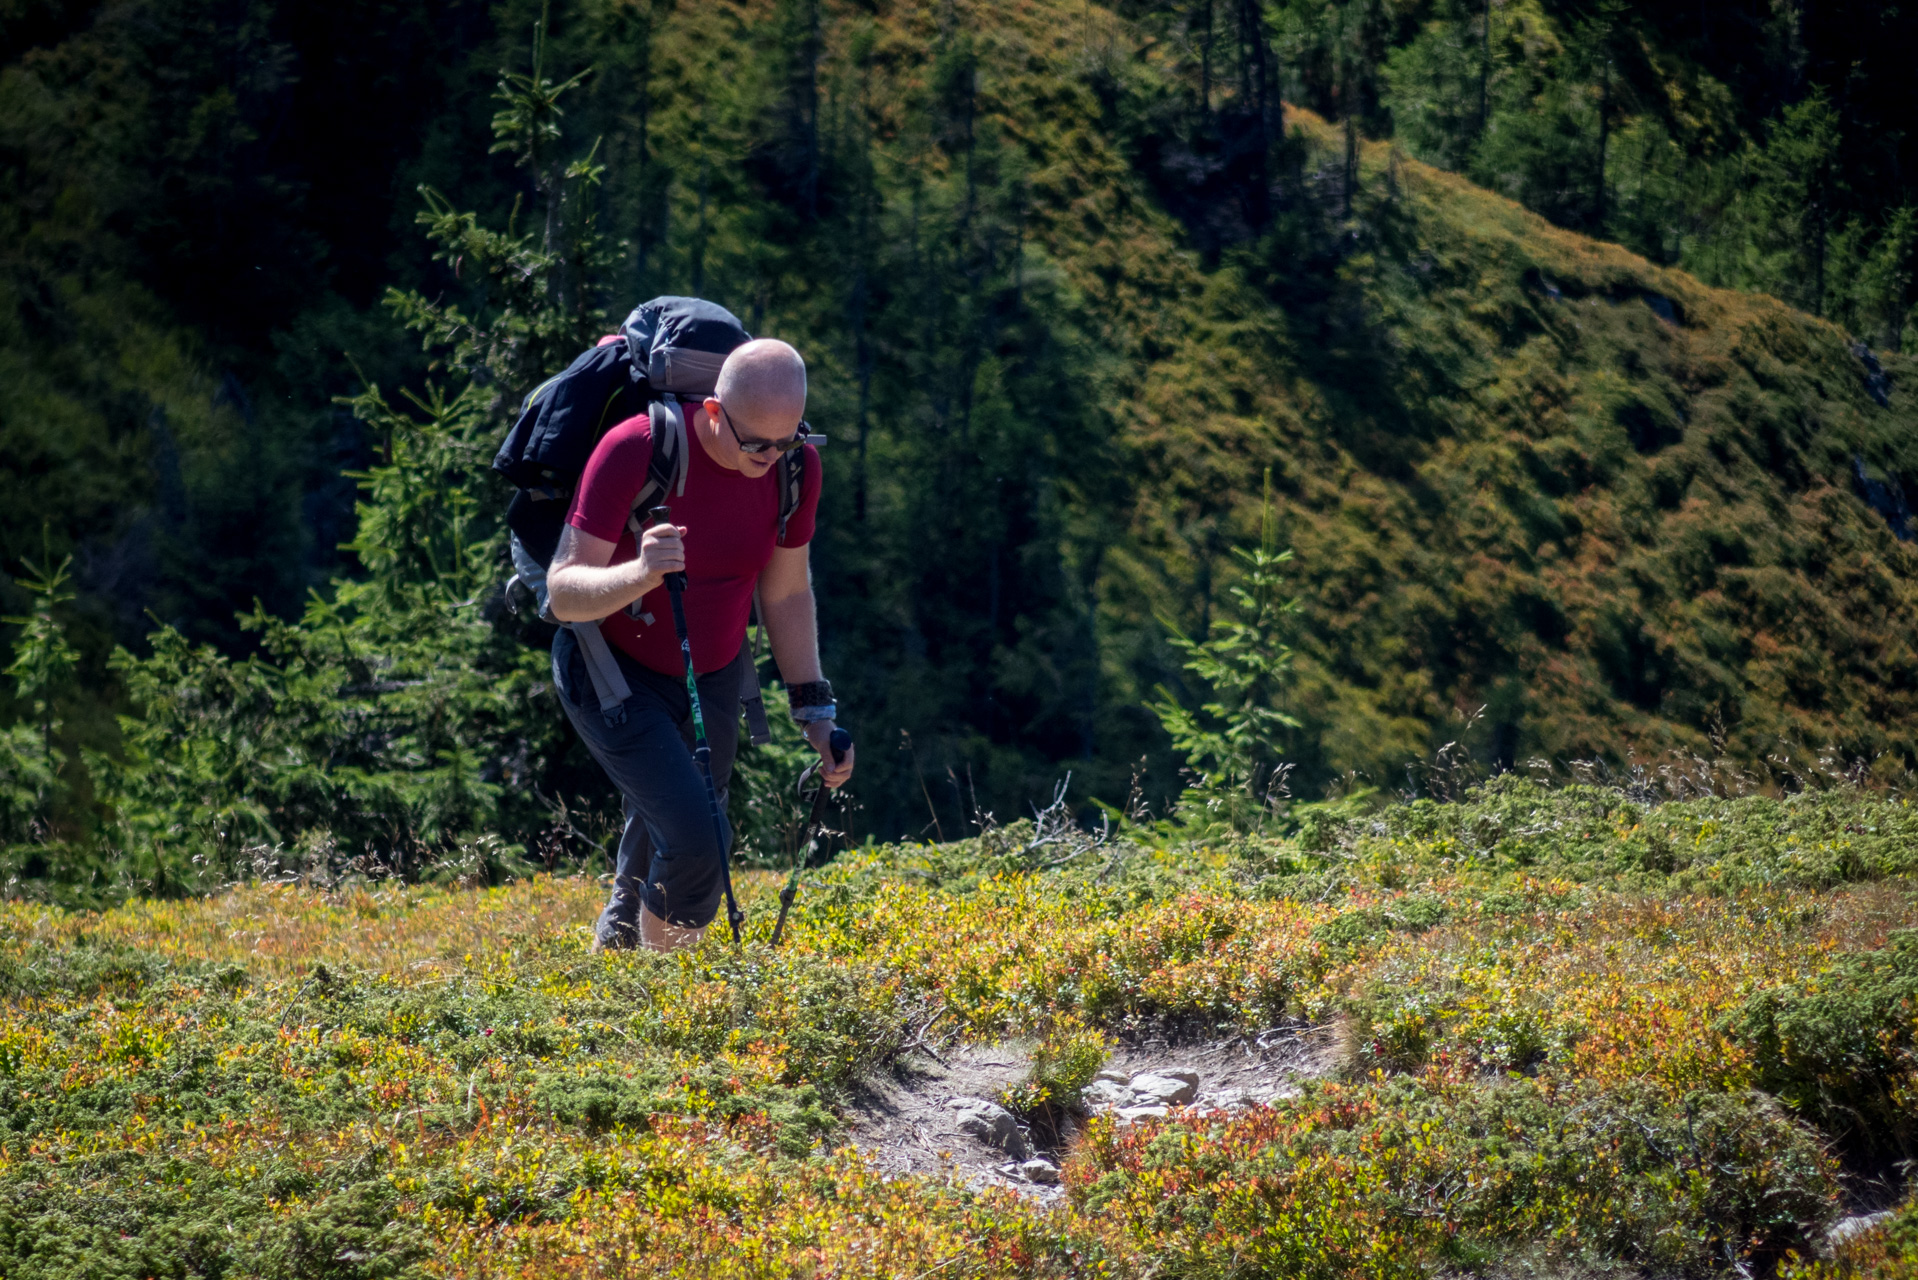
(841, 743)
(702, 750)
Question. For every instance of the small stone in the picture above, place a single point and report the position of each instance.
(1130, 1114)
(1849, 1229)
(1165, 1087)
(1040, 1170)
(992, 1124)
(1103, 1094)
(1116, 1077)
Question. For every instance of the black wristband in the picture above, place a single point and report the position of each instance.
(813, 693)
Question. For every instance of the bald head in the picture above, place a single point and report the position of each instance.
(763, 387)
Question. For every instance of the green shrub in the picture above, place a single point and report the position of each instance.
(1412, 1174)
(1065, 1062)
(1839, 1048)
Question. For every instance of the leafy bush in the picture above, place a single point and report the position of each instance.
(1065, 1061)
(1395, 1178)
(1841, 1048)
(1816, 838)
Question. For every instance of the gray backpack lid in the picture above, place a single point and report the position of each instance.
(678, 344)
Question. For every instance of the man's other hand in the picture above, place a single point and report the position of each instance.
(819, 734)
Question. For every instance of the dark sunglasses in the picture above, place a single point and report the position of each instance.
(791, 442)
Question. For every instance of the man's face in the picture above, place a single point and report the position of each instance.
(737, 435)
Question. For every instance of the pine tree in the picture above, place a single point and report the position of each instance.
(32, 789)
(1234, 742)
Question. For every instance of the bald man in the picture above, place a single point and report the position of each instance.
(725, 537)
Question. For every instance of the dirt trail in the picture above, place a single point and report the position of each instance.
(934, 1116)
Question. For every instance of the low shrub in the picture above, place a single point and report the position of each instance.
(1841, 1048)
(1397, 1177)
(1063, 1064)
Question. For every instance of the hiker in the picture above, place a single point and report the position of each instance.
(725, 535)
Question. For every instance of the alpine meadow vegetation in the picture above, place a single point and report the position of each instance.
(1666, 1033)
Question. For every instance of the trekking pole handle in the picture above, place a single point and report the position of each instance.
(664, 515)
(839, 743)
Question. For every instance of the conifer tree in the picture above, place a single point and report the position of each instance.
(32, 790)
(1234, 740)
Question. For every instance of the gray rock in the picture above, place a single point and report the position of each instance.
(1039, 1170)
(1103, 1094)
(1116, 1077)
(991, 1123)
(1130, 1114)
(1849, 1229)
(1166, 1087)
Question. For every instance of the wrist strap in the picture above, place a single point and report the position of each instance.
(810, 693)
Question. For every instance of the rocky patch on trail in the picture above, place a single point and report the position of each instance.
(939, 1116)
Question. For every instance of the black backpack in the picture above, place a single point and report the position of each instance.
(668, 355)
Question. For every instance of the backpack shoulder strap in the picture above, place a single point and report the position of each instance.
(792, 485)
(670, 462)
(665, 473)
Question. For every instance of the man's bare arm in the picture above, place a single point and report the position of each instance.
(583, 584)
(786, 607)
(786, 604)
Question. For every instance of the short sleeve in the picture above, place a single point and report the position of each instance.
(799, 528)
(613, 477)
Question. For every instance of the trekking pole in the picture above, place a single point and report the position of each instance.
(841, 742)
(702, 750)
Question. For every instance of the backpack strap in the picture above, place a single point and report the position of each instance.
(609, 683)
(792, 484)
(752, 700)
(669, 464)
(666, 472)
(665, 475)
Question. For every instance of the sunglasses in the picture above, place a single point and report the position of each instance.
(791, 442)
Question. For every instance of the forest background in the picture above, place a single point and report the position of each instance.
(1070, 280)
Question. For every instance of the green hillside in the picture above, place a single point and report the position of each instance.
(1524, 470)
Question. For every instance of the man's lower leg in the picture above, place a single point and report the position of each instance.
(656, 935)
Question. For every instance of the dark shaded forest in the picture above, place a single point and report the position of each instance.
(1070, 280)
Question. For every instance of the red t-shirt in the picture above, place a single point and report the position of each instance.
(731, 523)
